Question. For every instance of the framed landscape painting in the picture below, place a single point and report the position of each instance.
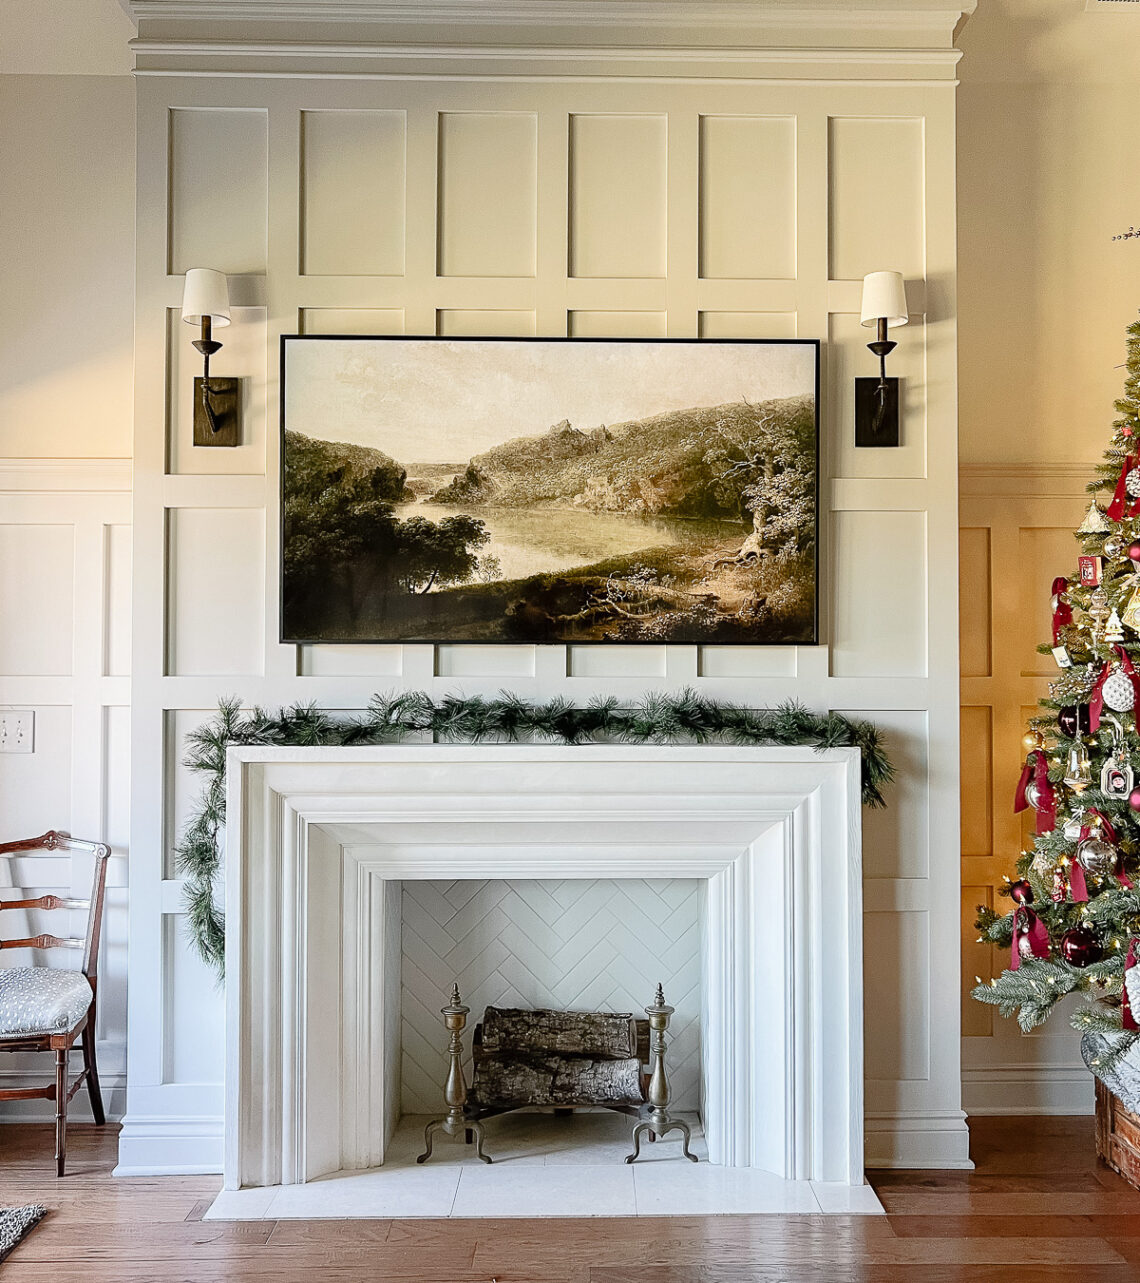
(549, 490)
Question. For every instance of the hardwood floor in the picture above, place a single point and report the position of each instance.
(1038, 1208)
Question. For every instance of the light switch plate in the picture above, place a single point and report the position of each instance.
(17, 730)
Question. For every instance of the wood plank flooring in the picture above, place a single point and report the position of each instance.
(1038, 1209)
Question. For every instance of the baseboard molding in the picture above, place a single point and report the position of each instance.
(1060, 1089)
(938, 1139)
(170, 1146)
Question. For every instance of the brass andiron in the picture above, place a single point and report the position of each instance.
(455, 1122)
(658, 1120)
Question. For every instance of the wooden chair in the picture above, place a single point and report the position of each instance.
(48, 1008)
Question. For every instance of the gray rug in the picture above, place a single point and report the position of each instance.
(15, 1222)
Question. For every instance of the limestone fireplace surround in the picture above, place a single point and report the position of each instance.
(319, 841)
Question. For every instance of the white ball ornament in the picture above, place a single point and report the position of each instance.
(1118, 691)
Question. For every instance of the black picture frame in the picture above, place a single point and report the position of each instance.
(338, 635)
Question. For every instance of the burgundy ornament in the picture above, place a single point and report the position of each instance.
(1080, 947)
(1134, 799)
(1021, 891)
(1134, 550)
(1073, 720)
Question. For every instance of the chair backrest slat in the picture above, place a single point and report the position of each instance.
(44, 942)
(53, 840)
(45, 902)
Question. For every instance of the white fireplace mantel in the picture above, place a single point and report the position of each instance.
(319, 841)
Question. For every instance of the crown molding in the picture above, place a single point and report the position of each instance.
(377, 37)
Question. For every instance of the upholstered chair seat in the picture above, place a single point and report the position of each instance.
(35, 1001)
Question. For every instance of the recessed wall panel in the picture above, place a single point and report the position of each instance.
(748, 197)
(976, 656)
(218, 189)
(878, 594)
(35, 788)
(747, 325)
(215, 591)
(244, 357)
(977, 751)
(117, 604)
(350, 661)
(488, 193)
(190, 1054)
(484, 661)
(352, 193)
(876, 196)
(977, 961)
(896, 978)
(37, 574)
(183, 786)
(896, 838)
(1044, 552)
(618, 195)
(618, 661)
(617, 325)
(747, 661)
(486, 322)
(352, 320)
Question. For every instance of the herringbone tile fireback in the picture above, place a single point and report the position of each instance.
(579, 944)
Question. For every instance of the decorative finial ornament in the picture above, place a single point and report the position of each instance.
(657, 1119)
(1095, 522)
(455, 1122)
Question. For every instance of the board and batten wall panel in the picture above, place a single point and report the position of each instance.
(1017, 526)
(551, 205)
(65, 569)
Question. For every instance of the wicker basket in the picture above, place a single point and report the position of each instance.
(1117, 1135)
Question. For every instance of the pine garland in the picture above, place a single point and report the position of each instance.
(684, 717)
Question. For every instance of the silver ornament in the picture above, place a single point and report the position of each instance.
(1097, 856)
(1072, 828)
(1132, 483)
(1113, 546)
(1033, 795)
(1118, 691)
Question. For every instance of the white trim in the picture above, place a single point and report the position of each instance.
(1062, 479)
(907, 1139)
(50, 475)
(169, 1145)
(1043, 1089)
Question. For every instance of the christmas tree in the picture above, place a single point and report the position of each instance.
(1074, 926)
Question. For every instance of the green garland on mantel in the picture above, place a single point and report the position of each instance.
(683, 717)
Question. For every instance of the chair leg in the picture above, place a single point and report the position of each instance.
(60, 1109)
(93, 1090)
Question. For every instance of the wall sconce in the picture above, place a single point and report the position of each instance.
(217, 402)
(877, 400)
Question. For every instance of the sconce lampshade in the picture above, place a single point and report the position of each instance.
(884, 298)
(206, 294)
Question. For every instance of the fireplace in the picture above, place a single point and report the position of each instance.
(322, 842)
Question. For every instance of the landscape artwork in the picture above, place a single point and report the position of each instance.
(574, 490)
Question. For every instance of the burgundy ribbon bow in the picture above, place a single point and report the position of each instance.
(1062, 612)
(1036, 768)
(1127, 1019)
(1026, 922)
(1123, 504)
(1096, 699)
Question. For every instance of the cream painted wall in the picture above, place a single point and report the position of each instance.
(67, 267)
(1047, 113)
